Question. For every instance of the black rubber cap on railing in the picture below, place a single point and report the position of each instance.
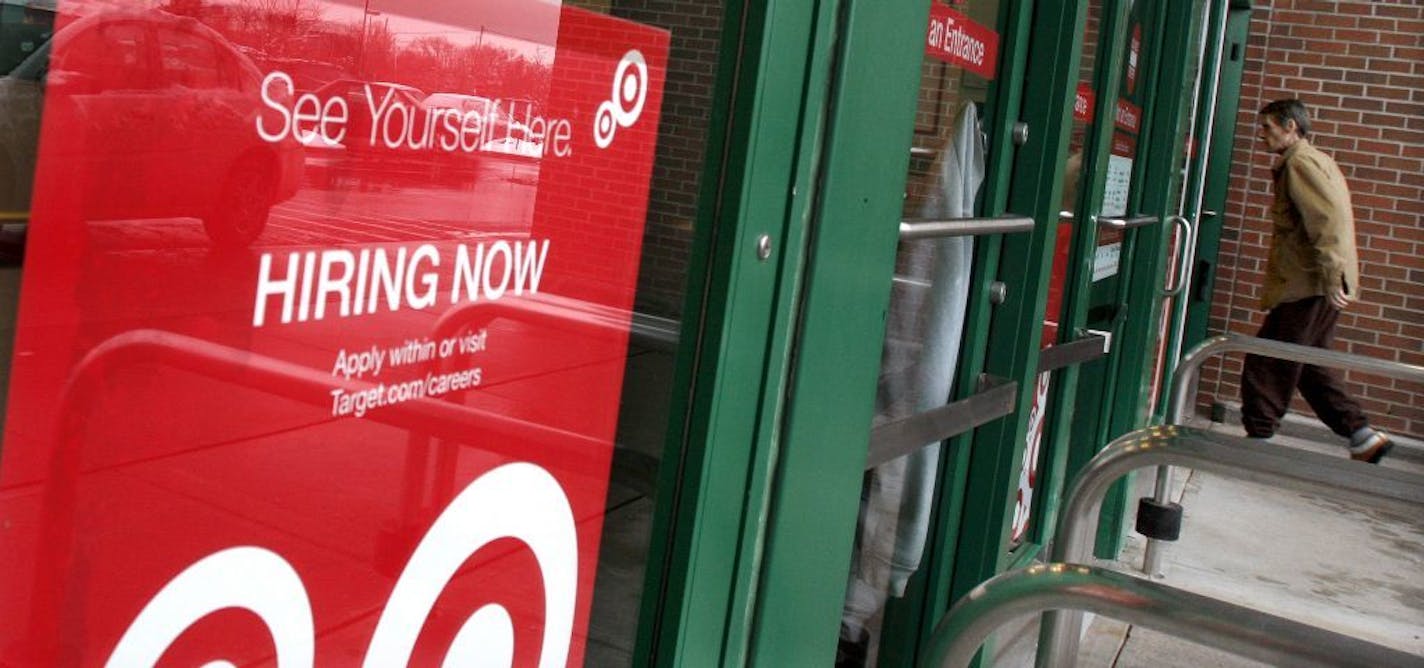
(1156, 519)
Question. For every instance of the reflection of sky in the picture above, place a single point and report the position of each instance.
(517, 25)
(529, 28)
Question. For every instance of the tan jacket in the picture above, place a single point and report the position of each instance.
(1313, 244)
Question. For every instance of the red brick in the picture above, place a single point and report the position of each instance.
(1397, 11)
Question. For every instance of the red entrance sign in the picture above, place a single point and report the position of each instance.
(322, 332)
(1127, 116)
(955, 39)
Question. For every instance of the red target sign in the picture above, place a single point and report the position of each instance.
(323, 329)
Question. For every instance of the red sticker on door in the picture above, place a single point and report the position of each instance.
(956, 39)
(1084, 103)
(322, 331)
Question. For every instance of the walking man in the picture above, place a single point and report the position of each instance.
(1311, 274)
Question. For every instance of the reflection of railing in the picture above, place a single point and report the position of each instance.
(306, 385)
(648, 331)
(651, 332)
(1233, 628)
(928, 228)
(1223, 455)
(564, 449)
(1185, 377)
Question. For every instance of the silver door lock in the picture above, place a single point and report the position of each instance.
(998, 292)
(1020, 133)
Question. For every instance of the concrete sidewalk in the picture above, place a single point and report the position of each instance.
(1306, 556)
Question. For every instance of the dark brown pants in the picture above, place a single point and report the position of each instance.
(1267, 384)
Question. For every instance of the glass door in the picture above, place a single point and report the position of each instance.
(1069, 346)
(943, 220)
(1135, 191)
(943, 268)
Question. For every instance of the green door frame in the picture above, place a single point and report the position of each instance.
(849, 267)
(1063, 459)
(1008, 336)
(1217, 177)
(732, 363)
(764, 470)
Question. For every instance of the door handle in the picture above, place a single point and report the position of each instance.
(1184, 255)
(1125, 223)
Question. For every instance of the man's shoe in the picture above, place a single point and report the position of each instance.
(1373, 449)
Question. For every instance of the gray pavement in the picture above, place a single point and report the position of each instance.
(1350, 568)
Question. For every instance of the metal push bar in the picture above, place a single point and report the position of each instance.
(929, 228)
(892, 440)
(1189, 368)
(1243, 631)
(1125, 223)
(1228, 456)
(993, 400)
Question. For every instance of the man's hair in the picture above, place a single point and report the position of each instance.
(1292, 109)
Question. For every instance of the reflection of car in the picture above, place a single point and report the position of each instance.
(359, 108)
(307, 75)
(504, 134)
(158, 115)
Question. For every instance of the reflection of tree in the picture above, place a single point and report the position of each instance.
(276, 21)
(437, 64)
(263, 25)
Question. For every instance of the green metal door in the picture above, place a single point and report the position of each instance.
(1130, 195)
(893, 110)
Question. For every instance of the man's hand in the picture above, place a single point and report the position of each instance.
(1339, 299)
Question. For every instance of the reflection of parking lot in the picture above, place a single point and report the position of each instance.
(499, 202)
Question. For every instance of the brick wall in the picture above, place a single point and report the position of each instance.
(1359, 66)
(682, 136)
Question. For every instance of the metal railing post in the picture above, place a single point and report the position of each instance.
(1228, 456)
(1185, 377)
(1233, 628)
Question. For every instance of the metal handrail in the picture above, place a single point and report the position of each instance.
(934, 228)
(1228, 456)
(1233, 628)
(1189, 368)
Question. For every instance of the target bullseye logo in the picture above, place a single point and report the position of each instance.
(521, 501)
(630, 91)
